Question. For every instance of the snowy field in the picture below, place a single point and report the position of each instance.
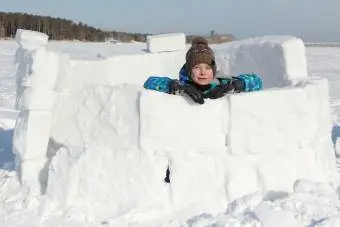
(311, 205)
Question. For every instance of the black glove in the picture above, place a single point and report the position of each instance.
(174, 87)
(186, 89)
(219, 91)
(222, 89)
(238, 85)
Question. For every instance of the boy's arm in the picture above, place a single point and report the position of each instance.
(244, 82)
(170, 86)
(251, 81)
(157, 83)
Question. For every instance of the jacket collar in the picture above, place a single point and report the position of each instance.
(183, 75)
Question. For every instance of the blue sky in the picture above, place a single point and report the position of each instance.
(313, 20)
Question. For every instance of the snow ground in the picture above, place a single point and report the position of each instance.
(301, 208)
(324, 62)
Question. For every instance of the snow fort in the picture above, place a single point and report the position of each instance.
(90, 139)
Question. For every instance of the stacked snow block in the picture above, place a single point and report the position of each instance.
(165, 57)
(36, 75)
(261, 141)
(30, 40)
(115, 70)
(242, 143)
(165, 42)
(279, 60)
(102, 128)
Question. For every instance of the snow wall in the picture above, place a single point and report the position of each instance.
(91, 140)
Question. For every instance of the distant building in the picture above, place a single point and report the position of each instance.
(215, 38)
(111, 40)
(220, 38)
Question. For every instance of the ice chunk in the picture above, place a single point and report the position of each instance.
(174, 123)
(314, 188)
(36, 99)
(198, 181)
(270, 121)
(39, 70)
(28, 39)
(166, 42)
(279, 60)
(278, 218)
(31, 134)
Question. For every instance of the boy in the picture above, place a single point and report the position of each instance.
(197, 77)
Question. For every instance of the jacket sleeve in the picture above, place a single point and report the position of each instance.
(157, 83)
(252, 82)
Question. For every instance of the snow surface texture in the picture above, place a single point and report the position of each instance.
(102, 152)
(279, 60)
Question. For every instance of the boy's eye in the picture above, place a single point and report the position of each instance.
(207, 67)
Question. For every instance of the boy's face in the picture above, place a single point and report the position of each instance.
(202, 74)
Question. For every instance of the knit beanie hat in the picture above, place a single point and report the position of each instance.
(199, 52)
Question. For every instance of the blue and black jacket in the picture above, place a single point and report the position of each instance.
(251, 82)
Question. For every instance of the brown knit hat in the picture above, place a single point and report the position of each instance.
(199, 52)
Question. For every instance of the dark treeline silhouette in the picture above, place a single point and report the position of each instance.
(63, 29)
(60, 29)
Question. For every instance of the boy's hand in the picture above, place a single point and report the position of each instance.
(174, 87)
(195, 94)
(220, 91)
(187, 89)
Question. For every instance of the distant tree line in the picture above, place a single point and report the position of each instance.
(63, 29)
(60, 29)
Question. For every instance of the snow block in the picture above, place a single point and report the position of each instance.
(279, 60)
(28, 39)
(318, 89)
(166, 42)
(123, 181)
(103, 128)
(188, 120)
(295, 164)
(29, 174)
(198, 181)
(38, 69)
(254, 129)
(30, 143)
(101, 114)
(36, 99)
(31, 134)
(295, 118)
(133, 69)
(216, 152)
(193, 141)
